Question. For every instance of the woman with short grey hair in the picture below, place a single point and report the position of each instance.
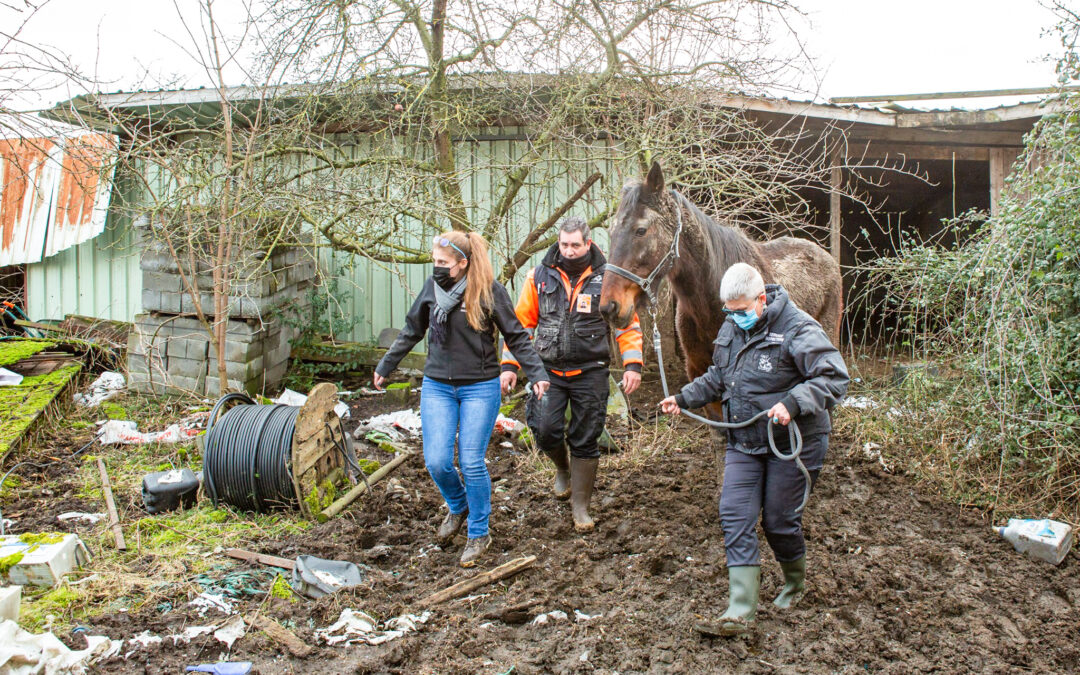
(769, 355)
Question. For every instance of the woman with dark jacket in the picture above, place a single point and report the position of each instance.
(769, 355)
(462, 308)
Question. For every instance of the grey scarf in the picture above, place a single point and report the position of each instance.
(445, 302)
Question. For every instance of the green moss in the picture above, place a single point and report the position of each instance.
(508, 408)
(316, 503)
(114, 411)
(368, 466)
(218, 516)
(398, 385)
(9, 561)
(282, 589)
(58, 601)
(42, 538)
(23, 403)
(13, 351)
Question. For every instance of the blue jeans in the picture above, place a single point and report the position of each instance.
(475, 407)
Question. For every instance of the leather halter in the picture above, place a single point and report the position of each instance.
(648, 284)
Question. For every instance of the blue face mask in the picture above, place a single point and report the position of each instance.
(745, 319)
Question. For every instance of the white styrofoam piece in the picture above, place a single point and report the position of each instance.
(42, 564)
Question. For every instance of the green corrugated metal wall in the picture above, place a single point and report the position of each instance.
(101, 278)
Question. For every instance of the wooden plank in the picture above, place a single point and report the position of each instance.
(936, 136)
(261, 558)
(469, 585)
(110, 504)
(352, 495)
(953, 118)
(281, 634)
(915, 152)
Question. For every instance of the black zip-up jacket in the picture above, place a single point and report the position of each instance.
(785, 358)
(467, 355)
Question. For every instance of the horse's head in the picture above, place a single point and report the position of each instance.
(639, 238)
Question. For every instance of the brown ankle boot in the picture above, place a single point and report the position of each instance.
(561, 461)
(582, 479)
(449, 527)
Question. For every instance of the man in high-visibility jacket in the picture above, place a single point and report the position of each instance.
(560, 300)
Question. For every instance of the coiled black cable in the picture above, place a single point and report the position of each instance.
(248, 454)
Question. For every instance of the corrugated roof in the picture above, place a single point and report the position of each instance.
(55, 193)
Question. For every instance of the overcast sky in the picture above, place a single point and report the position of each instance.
(861, 46)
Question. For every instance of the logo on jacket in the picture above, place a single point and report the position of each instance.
(764, 363)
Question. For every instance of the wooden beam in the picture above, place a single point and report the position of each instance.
(469, 585)
(953, 118)
(937, 136)
(110, 504)
(1001, 161)
(912, 152)
(281, 634)
(352, 495)
(262, 558)
(934, 96)
(835, 183)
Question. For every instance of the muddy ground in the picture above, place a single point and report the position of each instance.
(899, 580)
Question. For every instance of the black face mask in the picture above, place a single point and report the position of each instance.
(442, 277)
(574, 266)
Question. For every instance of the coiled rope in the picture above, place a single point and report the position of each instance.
(248, 454)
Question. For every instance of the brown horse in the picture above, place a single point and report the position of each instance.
(643, 234)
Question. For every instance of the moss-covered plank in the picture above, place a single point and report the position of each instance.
(23, 404)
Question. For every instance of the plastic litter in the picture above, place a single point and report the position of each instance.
(10, 596)
(508, 425)
(169, 490)
(553, 615)
(222, 668)
(207, 601)
(90, 518)
(295, 398)
(9, 379)
(398, 425)
(25, 652)
(106, 386)
(354, 626)
(1044, 539)
(230, 631)
(316, 577)
(127, 433)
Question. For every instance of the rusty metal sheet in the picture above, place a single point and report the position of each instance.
(55, 194)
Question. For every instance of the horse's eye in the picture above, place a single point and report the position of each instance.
(640, 232)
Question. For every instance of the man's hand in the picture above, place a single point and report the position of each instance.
(779, 413)
(539, 388)
(508, 380)
(379, 381)
(669, 406)
(631, 379)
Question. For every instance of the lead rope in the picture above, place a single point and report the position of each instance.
(794, 435)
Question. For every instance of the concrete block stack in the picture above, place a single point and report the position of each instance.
(169, 350)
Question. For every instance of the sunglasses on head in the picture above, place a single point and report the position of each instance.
(444, 242)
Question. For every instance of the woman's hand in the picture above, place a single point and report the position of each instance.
(539, 388)
(779, 415)
(670, 406)
(379, 381)
(508, 380)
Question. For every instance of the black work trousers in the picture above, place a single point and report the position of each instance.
(586, 393)
(764, 486)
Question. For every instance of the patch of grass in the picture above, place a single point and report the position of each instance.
(61, 603)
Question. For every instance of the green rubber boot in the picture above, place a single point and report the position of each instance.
(794, 583)
(744, 583)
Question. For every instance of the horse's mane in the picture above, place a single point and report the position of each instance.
(726, 244)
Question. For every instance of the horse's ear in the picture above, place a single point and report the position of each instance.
(654, 182)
